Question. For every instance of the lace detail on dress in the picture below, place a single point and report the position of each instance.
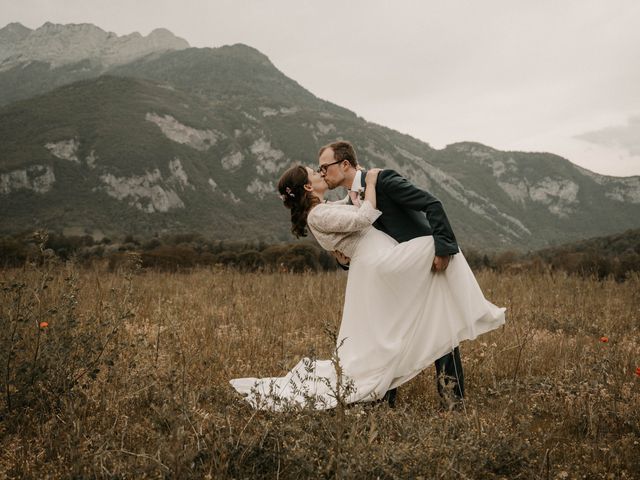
(340, 227)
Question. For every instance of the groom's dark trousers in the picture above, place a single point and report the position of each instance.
(409, 212)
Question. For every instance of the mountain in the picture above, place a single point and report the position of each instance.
(35, 61)
(194, 139)
(539, 194)
(67, 44)
(119, 161)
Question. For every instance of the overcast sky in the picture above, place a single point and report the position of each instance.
(540, 75)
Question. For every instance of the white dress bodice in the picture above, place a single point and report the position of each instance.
(337, 226)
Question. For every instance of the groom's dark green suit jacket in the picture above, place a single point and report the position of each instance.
(409, 212)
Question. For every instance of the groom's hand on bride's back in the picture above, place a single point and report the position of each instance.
(341, 258)
(440, 264)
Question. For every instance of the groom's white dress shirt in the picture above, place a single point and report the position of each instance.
(356, 186)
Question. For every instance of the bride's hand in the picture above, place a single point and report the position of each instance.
(372, 176)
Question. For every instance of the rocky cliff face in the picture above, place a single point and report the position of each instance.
(65, 44)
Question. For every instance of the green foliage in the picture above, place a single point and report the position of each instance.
(616, 255)
(49, 352)
(13, 253)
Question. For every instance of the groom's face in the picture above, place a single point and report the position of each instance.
(332, 172)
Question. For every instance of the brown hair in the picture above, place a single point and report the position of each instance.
(296, 198)
(342, 151)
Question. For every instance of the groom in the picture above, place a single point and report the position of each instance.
(407, 212)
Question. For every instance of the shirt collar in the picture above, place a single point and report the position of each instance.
(356, 186)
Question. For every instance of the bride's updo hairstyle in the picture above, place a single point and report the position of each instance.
(296, 198)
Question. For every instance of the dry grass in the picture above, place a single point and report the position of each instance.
(129, 380)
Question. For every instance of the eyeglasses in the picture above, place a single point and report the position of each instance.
(322, 169)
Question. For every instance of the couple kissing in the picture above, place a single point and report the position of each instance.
(410, 297)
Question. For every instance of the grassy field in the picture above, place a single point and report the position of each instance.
(128, 378)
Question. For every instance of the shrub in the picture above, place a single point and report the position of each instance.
(13, 252)
(50, 352)
(170, 257)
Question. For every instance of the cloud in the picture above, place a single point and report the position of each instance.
(626, 137)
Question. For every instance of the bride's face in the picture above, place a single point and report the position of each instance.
(317, 182)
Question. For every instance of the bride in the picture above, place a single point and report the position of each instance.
(398, 315)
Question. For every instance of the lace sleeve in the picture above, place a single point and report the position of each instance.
(343, 218)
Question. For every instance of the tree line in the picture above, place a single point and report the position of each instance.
(616, 256)
(168, 253)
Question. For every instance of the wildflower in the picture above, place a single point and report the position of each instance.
(604, 339)
(638, 371)
(44, 324)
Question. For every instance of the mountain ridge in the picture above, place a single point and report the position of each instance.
(60, 45)
(194, 139)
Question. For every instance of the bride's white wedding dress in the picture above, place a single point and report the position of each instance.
(398, 316)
